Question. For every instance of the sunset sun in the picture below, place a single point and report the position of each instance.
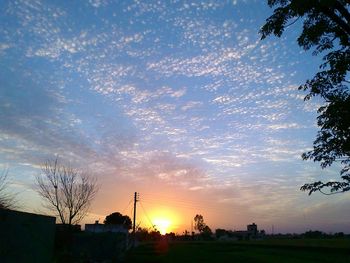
(162, 225)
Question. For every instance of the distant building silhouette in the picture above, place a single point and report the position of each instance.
(66, 227)
(252, 229)
(102, 228)
(252, 232)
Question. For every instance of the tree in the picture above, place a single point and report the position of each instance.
(199, 223)
(66, 191)
(144, 234)
(207, 231)
(7, 201)
(326, 28)
(117, 218)
(220, 232)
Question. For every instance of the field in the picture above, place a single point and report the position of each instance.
(269, 251)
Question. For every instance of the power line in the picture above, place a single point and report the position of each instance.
(187, 205)
(184, 206)
(148, 218)
(130, 212)
(167, 198)
(159, 198)
(127, 206)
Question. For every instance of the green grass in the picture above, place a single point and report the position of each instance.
(293, 251)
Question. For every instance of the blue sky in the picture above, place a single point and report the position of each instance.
(179, 100)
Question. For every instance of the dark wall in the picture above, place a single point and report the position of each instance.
(26, 237)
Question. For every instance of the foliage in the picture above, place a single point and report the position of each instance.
(117, 218)
(199, 223)
(314, 234)
(206, 233)
(7, 201)
(207, 230)
(220, 232)
(326, 29)
(66, 191)
(144, 234)
(204, 230)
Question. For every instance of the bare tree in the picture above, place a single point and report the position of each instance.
(7, 200)
(66, 191)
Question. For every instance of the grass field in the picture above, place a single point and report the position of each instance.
(269, 251)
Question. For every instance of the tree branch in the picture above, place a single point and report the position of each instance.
(331, 15)
(67, 191)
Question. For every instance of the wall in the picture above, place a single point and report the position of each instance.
(26, 237)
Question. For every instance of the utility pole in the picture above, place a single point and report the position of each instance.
(136, 196)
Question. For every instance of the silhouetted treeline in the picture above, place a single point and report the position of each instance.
(229, 234)
(310, 234)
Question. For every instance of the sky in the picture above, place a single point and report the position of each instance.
(179, 101)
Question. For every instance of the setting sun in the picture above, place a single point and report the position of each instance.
(161, 218)
(162, 225)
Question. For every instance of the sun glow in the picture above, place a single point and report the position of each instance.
(163, 218)
(162, 225)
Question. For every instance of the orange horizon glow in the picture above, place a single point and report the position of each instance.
(164, 220)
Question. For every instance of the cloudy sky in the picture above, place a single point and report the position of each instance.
(177, 100)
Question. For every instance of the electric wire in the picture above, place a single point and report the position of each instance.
(148, 218)
(126, 206)
(187, 205)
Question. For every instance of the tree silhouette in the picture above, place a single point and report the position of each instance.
(199, 223)
(117, 218)
(7, 200)
(206, 233)
(326, 28)
(66, 191)
(220, 232)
